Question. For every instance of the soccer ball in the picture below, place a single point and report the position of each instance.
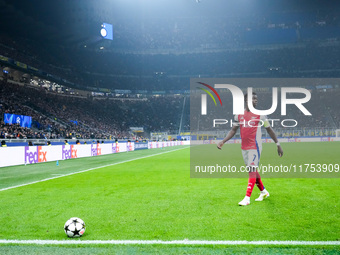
(74, 227)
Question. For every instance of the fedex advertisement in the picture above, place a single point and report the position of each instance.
(38, 154)
(11, 156)
(130, 146)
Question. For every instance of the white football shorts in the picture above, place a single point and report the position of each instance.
(251, 157)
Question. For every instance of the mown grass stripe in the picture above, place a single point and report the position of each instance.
(174, 242)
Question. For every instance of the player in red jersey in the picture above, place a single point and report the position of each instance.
(251, 145)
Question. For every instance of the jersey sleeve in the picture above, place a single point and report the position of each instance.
(265, 121)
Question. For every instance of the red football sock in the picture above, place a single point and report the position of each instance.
(251, 183)
(259, 183)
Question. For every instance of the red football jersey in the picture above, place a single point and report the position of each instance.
(250, 130)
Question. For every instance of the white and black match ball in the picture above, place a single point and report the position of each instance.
(74, 227)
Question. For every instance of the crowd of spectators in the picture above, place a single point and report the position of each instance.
(15, 131)
(59, 116)
(120, 71)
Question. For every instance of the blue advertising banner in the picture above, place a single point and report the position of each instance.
(141, 145)
(22, 120)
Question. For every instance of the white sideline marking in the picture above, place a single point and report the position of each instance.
(179, 242)
(82, 171)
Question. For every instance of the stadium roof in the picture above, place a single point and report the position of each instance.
(70, 22)
(142, 26)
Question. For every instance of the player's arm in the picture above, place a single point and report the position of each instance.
(230, 135)
(272, 134)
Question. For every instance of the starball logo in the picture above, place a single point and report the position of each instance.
(238, 102)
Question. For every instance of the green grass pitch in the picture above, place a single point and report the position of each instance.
(154, 198)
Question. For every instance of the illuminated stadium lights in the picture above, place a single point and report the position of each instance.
(103, 32)
(106, 31)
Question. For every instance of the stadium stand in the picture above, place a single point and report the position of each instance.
(162, 55)
(57, 116)
(286, 44)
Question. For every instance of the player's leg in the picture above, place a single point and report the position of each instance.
(251, 160)
(264, 193)
(251, 180)
(250, 187)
